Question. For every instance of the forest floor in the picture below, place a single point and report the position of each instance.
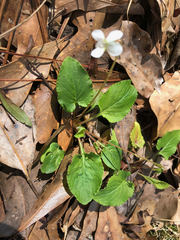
(74, 166)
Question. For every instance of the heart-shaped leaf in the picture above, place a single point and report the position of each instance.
(117, 101)
(73, 85)
(168, 143)
(117, 191)
(51, 158)
(85, 176)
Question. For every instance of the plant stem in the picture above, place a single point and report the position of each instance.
(102, 86)
(81, 149)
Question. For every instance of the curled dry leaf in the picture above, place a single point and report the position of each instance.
(143, 68)
(167, 11)
(22, 138)
(167, 110)
(45, 119)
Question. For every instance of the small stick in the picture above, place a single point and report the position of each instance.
(11, 35)
(21, 23)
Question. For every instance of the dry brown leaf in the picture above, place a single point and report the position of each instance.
(18, 70)
(90, 221)
(146, 203)
(72, 235)
(18, 199)
(65, 137)
(38, 233)
(70, 217)
(53, 196)
(45, 119)
(167, 110)
(81, 43)
(8, 16)
(2, 210)
(109, 226)
(30, 28)
(22, 137)
(167, 11)
(167, 205)
(153, 205)
(169, 27)
(114, 6)
(72, 5)
(143, 68)
(145, 208)
(55, 217)
(124, 128)
(176, 217)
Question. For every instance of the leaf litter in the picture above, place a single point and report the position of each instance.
(150, 59)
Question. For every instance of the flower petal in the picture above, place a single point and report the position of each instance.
(98, 35)
(97, 52)
(114, 49)
(114, 35)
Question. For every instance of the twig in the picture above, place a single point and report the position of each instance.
(63, 26)
(11, 35)
(129, 5)
(41, 21)
(3, 2)
(21, 23)
(32, 56)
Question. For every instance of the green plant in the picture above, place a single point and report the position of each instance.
(85, 173)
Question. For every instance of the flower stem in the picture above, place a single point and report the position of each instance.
(81, 149)
(102, 86)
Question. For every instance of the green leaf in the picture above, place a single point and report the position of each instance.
(112, 156)
(117, 191)
(51, 158)
(168, 143)
(84, 176)
(116, 102)
(73, 85)
(113, 136)
(14, 110)
(157, 183)
(80, 133)
(136, 137)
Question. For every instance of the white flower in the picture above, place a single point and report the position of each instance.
(108, 44)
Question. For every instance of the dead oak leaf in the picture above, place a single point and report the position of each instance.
(143, 68)
(166, 105)
(45, 119)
